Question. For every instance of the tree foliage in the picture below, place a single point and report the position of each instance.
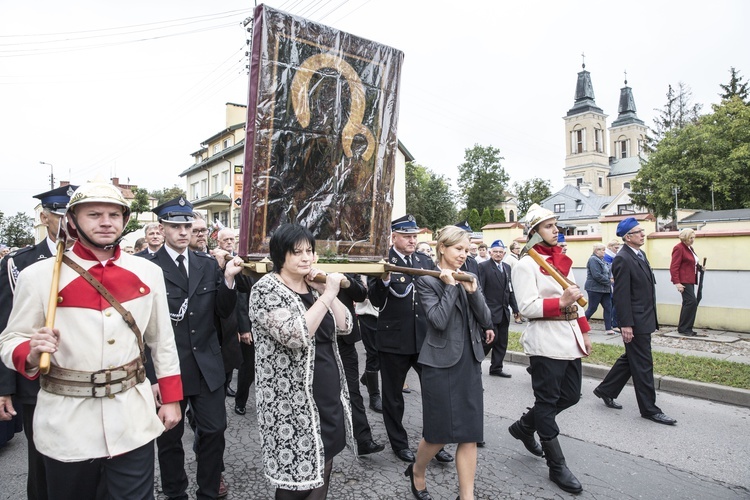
(529, 192)
(17, 231)
(139, 205)
(712, 154)
(735, 87)
(475, 220)
(167, 194)
(482, 180)
(498, 215)
(429, 197)
(678, 112)
(486, 218)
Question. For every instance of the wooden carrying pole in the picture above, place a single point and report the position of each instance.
(44, 359)
(561, 280)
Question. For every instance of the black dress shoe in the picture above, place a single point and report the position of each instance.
(691, 333)
(480, 444)
(418, 494)
(608, 402)
(406, 455)
(231, 392)
(239, 410)
(501, 373)
(661, 418)
(443, 456)
(368, 447)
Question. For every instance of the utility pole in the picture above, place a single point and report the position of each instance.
(713, 207)
(51, 175)
(675, 190)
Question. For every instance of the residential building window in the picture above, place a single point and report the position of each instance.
(578, 141)
(225, 179)
(224, 218)
(216, 148)
(204, 188)
(226, 143)
(236, 217)
(215, 182)
(579, 206)
(579, 181)
(559, 208)
(626, 185)
(623, 148)
(581, 232)
(599, 140)
(194, 193)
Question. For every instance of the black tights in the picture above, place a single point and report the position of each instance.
(319, 493)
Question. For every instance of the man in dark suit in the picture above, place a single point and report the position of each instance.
(494, 278)
(470, 265)
(198, 294)
(154, 239)
(401, 330)
(22, 389)
(634, 296)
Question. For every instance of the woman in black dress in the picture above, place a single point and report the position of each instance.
(452, 402)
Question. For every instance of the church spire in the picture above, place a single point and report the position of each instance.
(626, 110)
(584, 98)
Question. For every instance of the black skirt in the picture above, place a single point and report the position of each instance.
(453, 401)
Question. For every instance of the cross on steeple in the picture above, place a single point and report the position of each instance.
(626, 77)
(583, 57)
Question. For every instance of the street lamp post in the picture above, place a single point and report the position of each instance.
(51, 175)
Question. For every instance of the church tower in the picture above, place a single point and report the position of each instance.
(586, 161)
(627, 135)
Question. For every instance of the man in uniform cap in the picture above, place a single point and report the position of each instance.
(95, 419)
(634, 297)
(401, 330)
(470, 265)
(494, 278)
(562, 243)
(24, 390)
(199, 295)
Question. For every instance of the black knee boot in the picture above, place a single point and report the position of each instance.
(558, 471)
(525, 434)
(370, 380)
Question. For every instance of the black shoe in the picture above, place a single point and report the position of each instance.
(418, 494)
(368, 447)
(239, 410)
(688, 334)
(405, 455)
(480, 444)
(608, 402)
(661, 418)
(443, 456)
(526, 436)
(558, 469)
(406, 390)
(376, 404)
(501, 373)
(231, 392)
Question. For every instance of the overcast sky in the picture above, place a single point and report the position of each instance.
(132, 88)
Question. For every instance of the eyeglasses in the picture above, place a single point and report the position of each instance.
(640, 231)
(200, 231)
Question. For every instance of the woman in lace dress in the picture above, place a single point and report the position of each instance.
(304, 419)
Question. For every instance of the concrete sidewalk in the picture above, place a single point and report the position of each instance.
(713, 392)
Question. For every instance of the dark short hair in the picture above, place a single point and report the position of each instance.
(285, 239)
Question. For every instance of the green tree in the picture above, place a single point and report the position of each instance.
(678, 112)
(17, 231)
(529, 192)
(482, 180)
(475, 220)
(498, 215)
(167, 194)
(486, 218)
(735, 87)
(429, 197)
(709, 156)
(139, 205)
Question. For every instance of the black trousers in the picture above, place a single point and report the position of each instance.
(689, 309)
(638, 363)
(350, 360)
(557, 386)
(368, 327)
(129, 476)
(210, 417)
(36, 481)
(393, 370)
(499, 346)
(246, 374)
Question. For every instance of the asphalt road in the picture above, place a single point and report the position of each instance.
(615, 454)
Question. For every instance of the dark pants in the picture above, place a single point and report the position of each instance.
(499, 345)
(368, 327)
(638, 363)
(557, 386)
(209, 414)
(350, 360)
(689, 309)
(246, 374)
(36, 481)
(393, 370)
(319, 493)
(129, 476)
(605, 299)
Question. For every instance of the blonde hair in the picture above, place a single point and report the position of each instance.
(449, 236)
(613, 243)
(599, 246)
(686, 234)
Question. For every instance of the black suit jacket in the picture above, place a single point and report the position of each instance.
(11, 382)
(208, 299)
(348, 296)
(634, 292)
(401, 323)
(497, 290)
(471, 265)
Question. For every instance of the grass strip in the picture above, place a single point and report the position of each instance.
(700, 369)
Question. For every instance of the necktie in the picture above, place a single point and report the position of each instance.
(500, 268)
(181, 266)
(408, 261)
(640, 256)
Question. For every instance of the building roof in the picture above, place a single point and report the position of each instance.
(584, 98)
(220, 156)
(591, 204)
(624, 166)
(718, 216)
(626, 110)
(225, 131)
